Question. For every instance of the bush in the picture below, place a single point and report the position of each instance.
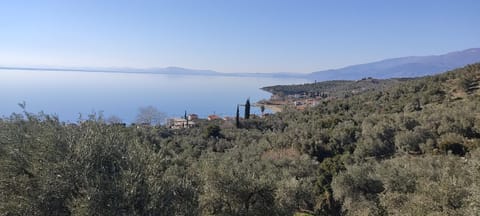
(453, 143)
(409, 141)
(212, 131)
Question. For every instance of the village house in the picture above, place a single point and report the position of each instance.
(213, 117)
(178, 123)
(297, 103)
(228, 118)
(275, 97)
(192, 117)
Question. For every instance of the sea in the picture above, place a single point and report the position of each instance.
(72, 96)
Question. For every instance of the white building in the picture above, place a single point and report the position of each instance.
(178, 123)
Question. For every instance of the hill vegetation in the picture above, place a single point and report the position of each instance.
(406, 149)
(335, 88)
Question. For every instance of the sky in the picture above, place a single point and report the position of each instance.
(231, 35)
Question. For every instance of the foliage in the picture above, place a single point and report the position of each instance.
(149, 116)
(237, 117)
(333, 88)
(247, 109)
(212, 131)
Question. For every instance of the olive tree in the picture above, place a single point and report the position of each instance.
(150, 115)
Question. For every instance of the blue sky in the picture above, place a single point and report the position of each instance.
(231, 35)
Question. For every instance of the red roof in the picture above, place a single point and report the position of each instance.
(213, 117)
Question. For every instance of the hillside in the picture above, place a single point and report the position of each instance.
(335, 88)
(411, 148)
(413, 66)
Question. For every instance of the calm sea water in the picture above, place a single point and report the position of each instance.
(67, 94)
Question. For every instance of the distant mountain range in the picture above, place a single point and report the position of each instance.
(412, 66)
(166, 71)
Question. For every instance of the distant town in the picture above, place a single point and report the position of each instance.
(192, 120)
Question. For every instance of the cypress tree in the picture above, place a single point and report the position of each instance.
(186, 117)
(237, 118)
(247, 109)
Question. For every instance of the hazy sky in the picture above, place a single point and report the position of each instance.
(232, 35)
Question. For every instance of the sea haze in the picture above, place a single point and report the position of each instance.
(121, 94)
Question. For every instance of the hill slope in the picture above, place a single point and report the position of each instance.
(412, 66)
(335, 88)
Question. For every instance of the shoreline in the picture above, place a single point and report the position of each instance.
(271, 106)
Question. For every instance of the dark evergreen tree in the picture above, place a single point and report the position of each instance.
(237, 117)
(247, 109)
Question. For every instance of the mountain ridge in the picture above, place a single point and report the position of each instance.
(166, 71)
(409, 66)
